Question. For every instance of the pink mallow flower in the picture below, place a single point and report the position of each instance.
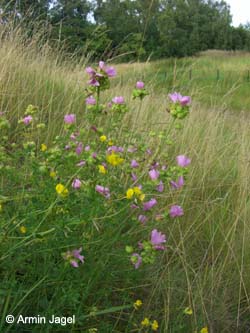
(110, 71)
(69, 119)
(176, 211)
(81, 163)
(93, 75)
(134, 164)
(157, 239)
(103, 190)
(154, 174)
(140, 85)
(142, 218)
(183, 161)
(178, 184)
(160, 187)
(178, 98)
(118, 100)
(74, 257)
(27, 120)
(136, 260)
(79, 148)
(76, 184)
(149, 204)
(134, 177)
(115, 149)
(90, 100)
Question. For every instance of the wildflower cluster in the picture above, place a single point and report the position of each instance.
(87, 180)
(179, 107)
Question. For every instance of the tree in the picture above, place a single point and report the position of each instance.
(25, 10)
(70, 23)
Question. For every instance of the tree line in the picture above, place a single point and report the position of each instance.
(135, 29)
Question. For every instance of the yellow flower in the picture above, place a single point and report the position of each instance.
(142, 197)
(145, 322)
(129, 193)
(188, 311)
(137, 304)
(103, 138)
(114, 159)
(138, 193)
(102, 169)
(43, 147)
(110, 143)
(61, 190)
(155, 325)
(204, 330)
(137, 190)
(52, 174)
(23, 229)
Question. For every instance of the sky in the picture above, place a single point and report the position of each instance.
(240, 9)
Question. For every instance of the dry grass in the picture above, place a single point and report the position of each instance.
(207, 264)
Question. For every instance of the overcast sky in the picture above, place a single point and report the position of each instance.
(240, 10)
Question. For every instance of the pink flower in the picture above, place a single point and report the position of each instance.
(90, 71)
(160, 187)
(101, 65)
(134, 206)
(157, 240)
(81, 163)
(185, 100)
(140, 85)
(176, 211)
(183, 161)
(142, 218)
(175, 97)
(178, 184)
(93, 82)
(77, 255)
(27, 120)
(73, 136)
(115, 149)
(90, 100)
(79, 148)
(154, 174)
(110, 71)
(74, 257)
(69, 119)
(134, 164)
(118, 100)
(103, 190)
(134, 177)
(178, 98)
(149, 204)
(76, 184)
(136, 260)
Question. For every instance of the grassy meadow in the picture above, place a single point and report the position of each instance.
(200, 282)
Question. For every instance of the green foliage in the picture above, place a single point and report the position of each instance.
(135, 29)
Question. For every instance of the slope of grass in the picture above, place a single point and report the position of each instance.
(220, 79)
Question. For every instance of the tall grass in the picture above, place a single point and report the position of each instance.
(206, 265)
